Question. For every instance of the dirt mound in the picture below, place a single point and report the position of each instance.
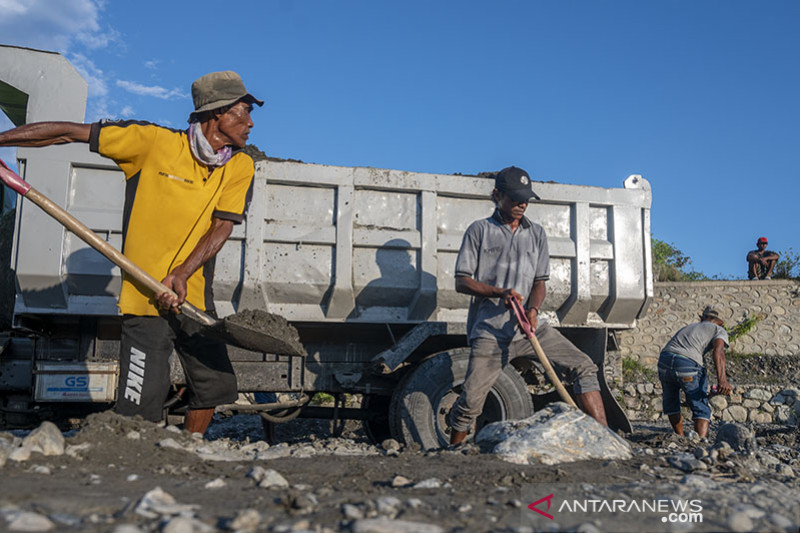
(784, 435)
(115, 438)
(768, 369)
(274, 326)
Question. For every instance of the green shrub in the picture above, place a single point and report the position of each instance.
(633, 371)
(743, 327)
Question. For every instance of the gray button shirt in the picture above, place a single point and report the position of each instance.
(492, 254)
(696, 339)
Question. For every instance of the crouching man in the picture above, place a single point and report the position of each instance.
(680, 368)
(502, 257)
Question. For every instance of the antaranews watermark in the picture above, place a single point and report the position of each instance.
(610, 507)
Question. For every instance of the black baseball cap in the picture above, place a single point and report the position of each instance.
(516, 183)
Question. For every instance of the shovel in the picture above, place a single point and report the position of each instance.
(527, 328)
(226, 330)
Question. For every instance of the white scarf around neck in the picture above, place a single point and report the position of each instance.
(202, 151)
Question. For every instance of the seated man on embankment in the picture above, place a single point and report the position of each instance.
(680, 367)
(761, 262)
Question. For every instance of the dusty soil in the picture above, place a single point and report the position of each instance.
(264, 331)
(99, 489)
(742, 369)
(763, 369)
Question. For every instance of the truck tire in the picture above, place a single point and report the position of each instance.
(424, 397)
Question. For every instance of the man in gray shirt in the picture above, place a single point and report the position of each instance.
(680, 368)
(502, 257)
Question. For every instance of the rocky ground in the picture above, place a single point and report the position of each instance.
(758, 368)
(126, 475)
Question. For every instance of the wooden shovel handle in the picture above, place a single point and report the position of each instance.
(91, 238)
(113, 255)
(527, 328)
(551, 374)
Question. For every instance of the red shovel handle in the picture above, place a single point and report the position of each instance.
(10, 178)
(522, 318)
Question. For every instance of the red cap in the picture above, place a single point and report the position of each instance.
(762, 239)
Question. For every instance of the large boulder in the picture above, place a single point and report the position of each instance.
(556, 434)
(737, 436)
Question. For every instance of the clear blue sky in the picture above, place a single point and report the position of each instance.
(701, 98)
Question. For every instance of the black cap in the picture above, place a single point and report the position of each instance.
(516, 183)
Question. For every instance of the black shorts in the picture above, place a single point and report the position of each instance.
(146, 345)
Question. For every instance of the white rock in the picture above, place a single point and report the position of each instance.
(430, 483)
(758, 394)
(218, 483)
(127, 528)
(134, 435)
(737, 413)
(132, 477)
(184, 524)
(400, 481)
(782, 414)
(246, 520)
(266, 478)
(352, 512)
(46, 439)
(158, 503)
(23, 453)
(414, 503)
(75, 450)
(556, 434)
(781, 522)
(170, 443)
(27, 521)
(385, 525)
(718, 402)
(740, 522)
(699, 482)
(388, 506)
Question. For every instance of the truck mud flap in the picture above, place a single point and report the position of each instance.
(615, 415)
(593, 342)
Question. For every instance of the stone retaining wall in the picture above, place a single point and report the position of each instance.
(676, 304)
(748, 403)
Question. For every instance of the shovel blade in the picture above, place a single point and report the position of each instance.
(258, 331)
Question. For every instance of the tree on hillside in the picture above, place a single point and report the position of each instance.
(670, 264)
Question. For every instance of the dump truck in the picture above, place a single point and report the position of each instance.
(359, 260)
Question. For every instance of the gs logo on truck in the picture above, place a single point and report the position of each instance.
(78, 382)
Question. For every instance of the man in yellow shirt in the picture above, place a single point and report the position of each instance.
(185, 190)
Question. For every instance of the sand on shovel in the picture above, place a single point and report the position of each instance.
(259, 330)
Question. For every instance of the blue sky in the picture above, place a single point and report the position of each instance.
(701, 98)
